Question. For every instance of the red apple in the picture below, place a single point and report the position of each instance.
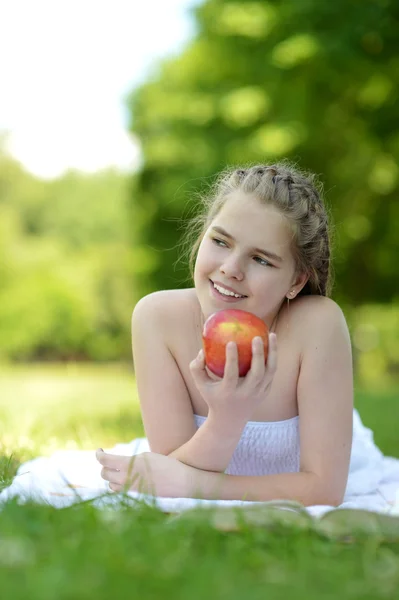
(234, 325)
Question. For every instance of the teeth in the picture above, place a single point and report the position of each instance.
(226, 292)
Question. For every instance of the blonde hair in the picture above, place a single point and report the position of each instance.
(296, 195)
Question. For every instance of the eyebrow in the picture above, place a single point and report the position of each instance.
(268, 253)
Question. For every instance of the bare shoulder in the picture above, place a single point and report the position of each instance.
(167, 308)
(311, 307)
(158, 327)
(317, 316)
(313, 304)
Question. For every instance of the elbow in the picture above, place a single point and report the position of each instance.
(325, 493)
(172, 454)
(333, 493)
(337, 499)
(329, 499)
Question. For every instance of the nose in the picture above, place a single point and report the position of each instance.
(232, 268)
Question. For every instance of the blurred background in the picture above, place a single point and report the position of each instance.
(113, 119)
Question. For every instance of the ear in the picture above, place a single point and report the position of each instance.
(298, 283)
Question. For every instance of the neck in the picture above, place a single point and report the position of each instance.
(272, 326)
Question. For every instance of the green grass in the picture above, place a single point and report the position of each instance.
(83, 552)
(44, 408)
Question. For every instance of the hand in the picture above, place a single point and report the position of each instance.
(234, 397)
(149, 473)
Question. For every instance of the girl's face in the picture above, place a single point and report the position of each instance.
(246, 249)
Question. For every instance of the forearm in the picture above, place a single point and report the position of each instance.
(306, 488)
(212, 446)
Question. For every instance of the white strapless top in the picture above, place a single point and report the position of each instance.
(271, 447)
(265, 448)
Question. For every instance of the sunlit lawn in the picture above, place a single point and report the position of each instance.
(43, 408)
(143, 552)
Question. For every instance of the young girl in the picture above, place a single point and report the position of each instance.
(287, 430)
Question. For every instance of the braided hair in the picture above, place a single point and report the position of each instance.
(295, 195)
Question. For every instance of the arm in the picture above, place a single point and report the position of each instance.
(212, 446)
(325, 402)
(305, 488)
(167, 477)
(164, 400)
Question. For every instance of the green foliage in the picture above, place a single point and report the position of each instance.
(66, 267)
(375, 342)
(312, 81)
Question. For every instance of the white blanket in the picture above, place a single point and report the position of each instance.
(71, 476)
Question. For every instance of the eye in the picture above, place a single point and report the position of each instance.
(262, 261)
(219, 242)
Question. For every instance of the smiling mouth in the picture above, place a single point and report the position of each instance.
(232, 296)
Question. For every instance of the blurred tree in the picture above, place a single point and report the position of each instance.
(66, 266)
(316, 82)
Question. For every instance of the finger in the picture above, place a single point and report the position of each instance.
(231, 365)
(257, 370)
(197, 368)
(272, 354)
(112, 476)
(99, 454)
(120, 483)
(112, 461)
(115, 487)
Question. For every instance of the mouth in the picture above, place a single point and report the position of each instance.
(224, 297)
